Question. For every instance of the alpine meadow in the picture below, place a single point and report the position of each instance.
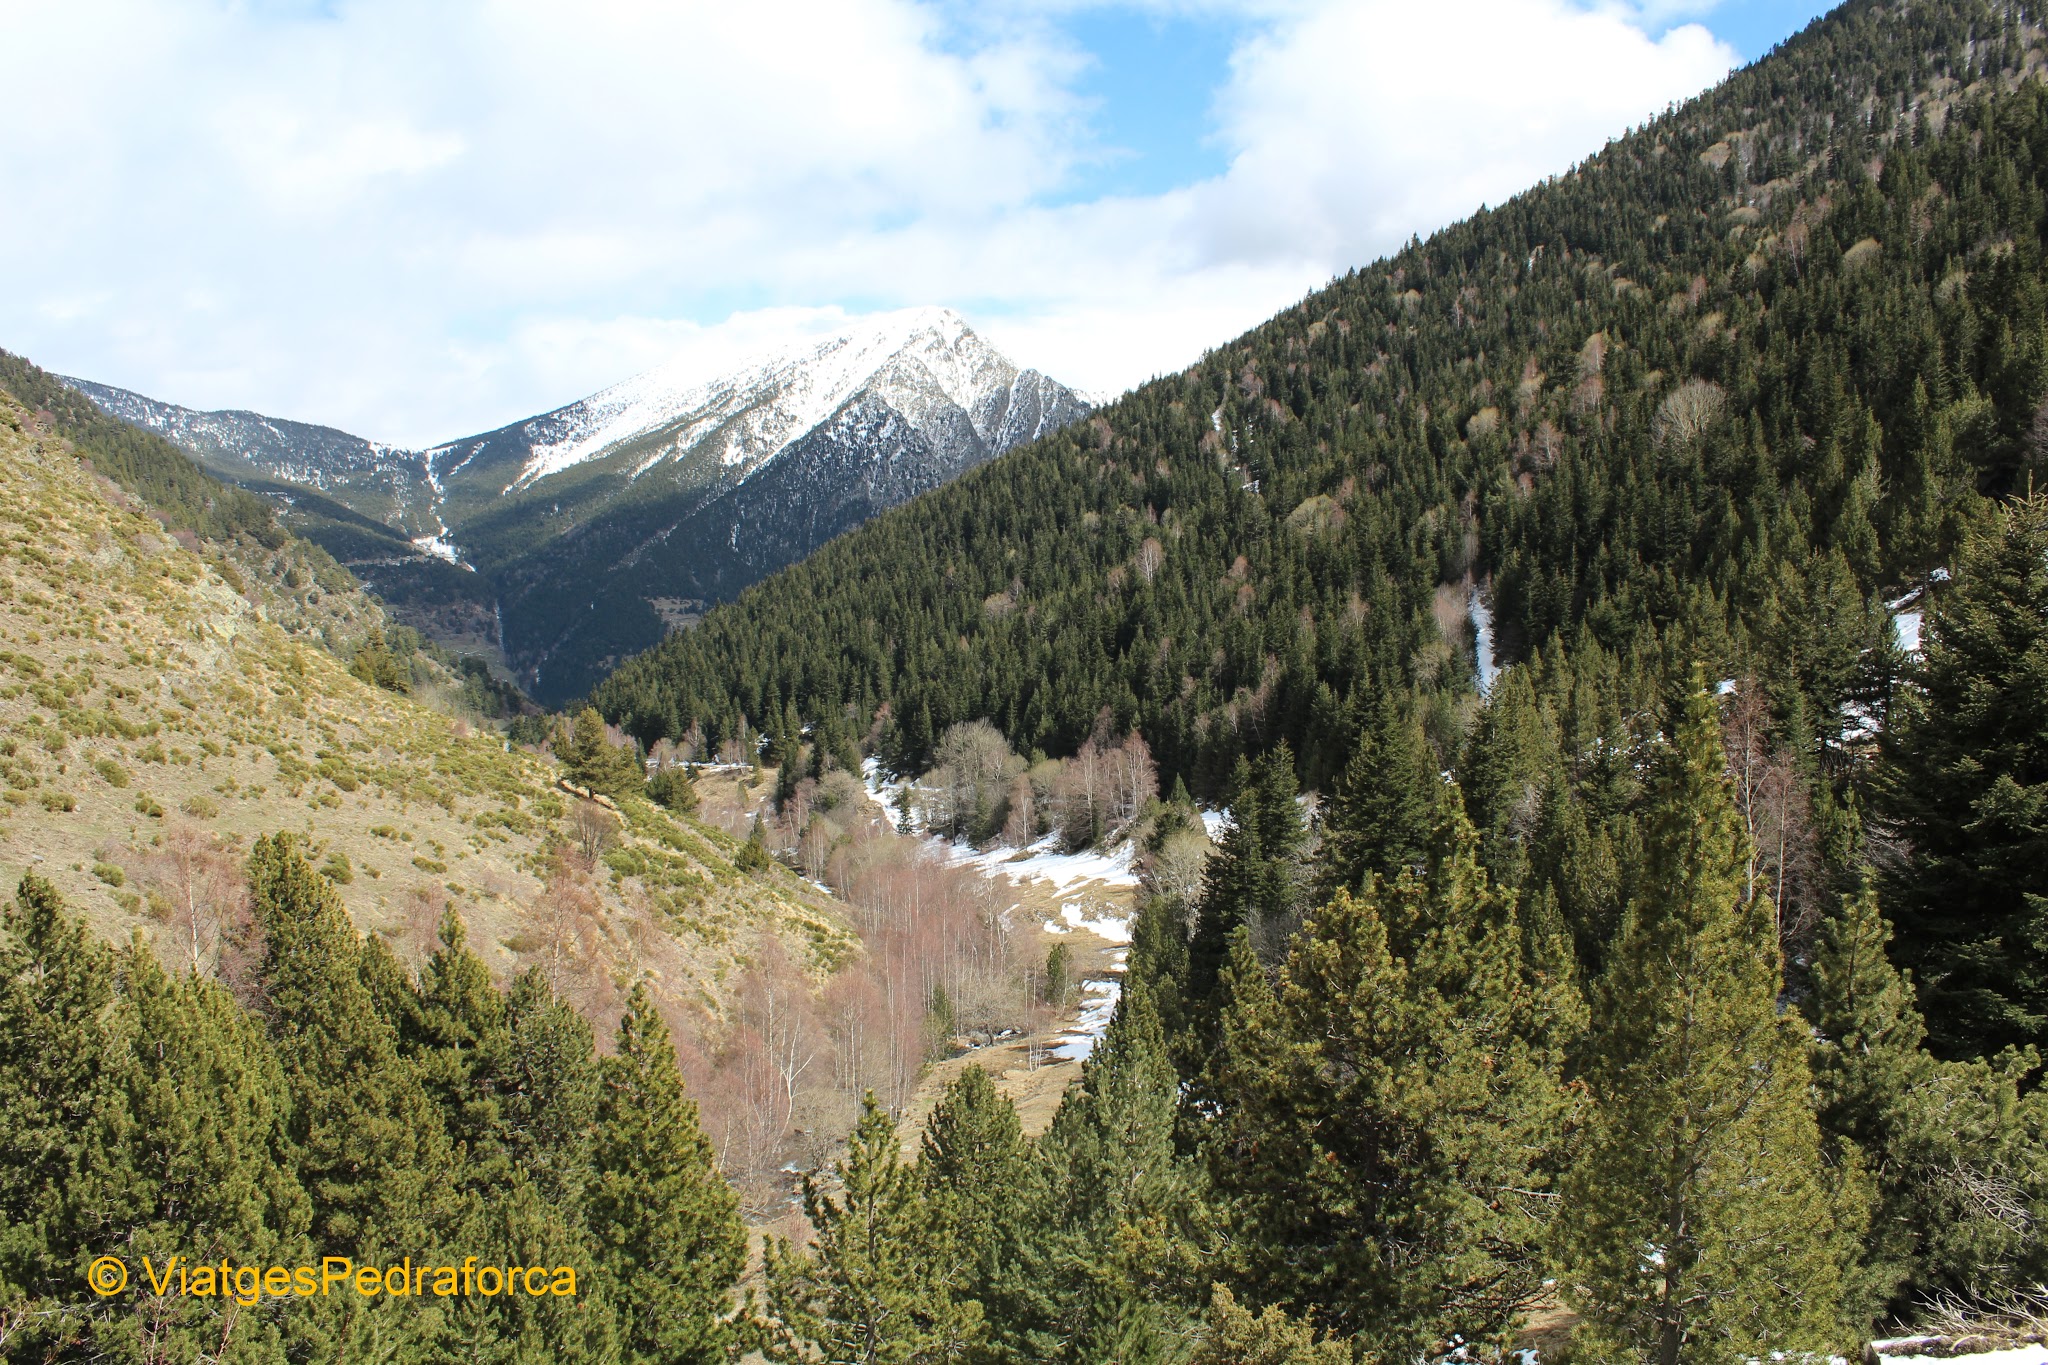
(1498, 818)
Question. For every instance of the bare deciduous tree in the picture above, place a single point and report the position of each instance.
(201, 879)
(1688, 412)
(594, 829)
(1777, 810)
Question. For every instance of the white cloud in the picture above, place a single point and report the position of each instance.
(417, 221)
(1362, 122)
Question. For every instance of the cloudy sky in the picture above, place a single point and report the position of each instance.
(419, 221)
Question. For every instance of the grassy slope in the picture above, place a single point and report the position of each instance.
(140, 675)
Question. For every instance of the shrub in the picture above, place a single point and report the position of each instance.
(672, 789)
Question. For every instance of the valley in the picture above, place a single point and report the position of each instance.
(1493, 817)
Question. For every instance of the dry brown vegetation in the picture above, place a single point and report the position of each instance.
(950, 965)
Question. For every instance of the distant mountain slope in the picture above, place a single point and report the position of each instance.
(379, 481)
(1718, 393)
(672, 493)
(584, 533)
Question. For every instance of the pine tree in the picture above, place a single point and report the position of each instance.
(1059, 976)
(1505, 761)
(56, 979)
(1255, 878)
(372, 1152)
(883, 1281)
(1231, 1335)
(461, 1046)
(1964, 784)
(593, 761)
(1114, 1203)
(977, 1167)
(460, 1040)
(1699, 1221)
(1378, 819)
(753, 854)
(550, 1091)
(195, 1155)
(673, 790)
(1380, 1116)
(670, 1241)
(1159, 955)
(377, 665)
(1958, 1157)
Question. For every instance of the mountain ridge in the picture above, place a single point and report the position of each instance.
(636, 495)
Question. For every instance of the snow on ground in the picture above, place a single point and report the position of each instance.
(1042, 862)
(2012, 1355)
(1074, 915)
(1907, 615)
(1216, 823)
(1482, 630)
(1098, 1005)
(883, 790)
(1906, 625)
(1859, 722)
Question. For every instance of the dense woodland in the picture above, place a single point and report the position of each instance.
(1691, 975)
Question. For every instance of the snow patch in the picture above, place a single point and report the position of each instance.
(1098, 1007)
(1042, 862)
(1108, 928)
(441, 547)
(883, 790)
(1482, 633)
(1906, 629)
(2013, 1355)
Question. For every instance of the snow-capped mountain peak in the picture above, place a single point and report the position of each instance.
(918, 360)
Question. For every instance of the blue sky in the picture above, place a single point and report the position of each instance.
(415, 222)
(1753, 27)
(1153, 75)
(1152, 79)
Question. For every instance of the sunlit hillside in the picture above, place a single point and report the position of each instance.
(157, 713)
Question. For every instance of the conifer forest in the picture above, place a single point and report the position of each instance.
(1606, 645)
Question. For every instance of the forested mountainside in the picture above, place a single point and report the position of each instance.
(1688, 971)
(307, 960)
(569, 540)
(1718, 391)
